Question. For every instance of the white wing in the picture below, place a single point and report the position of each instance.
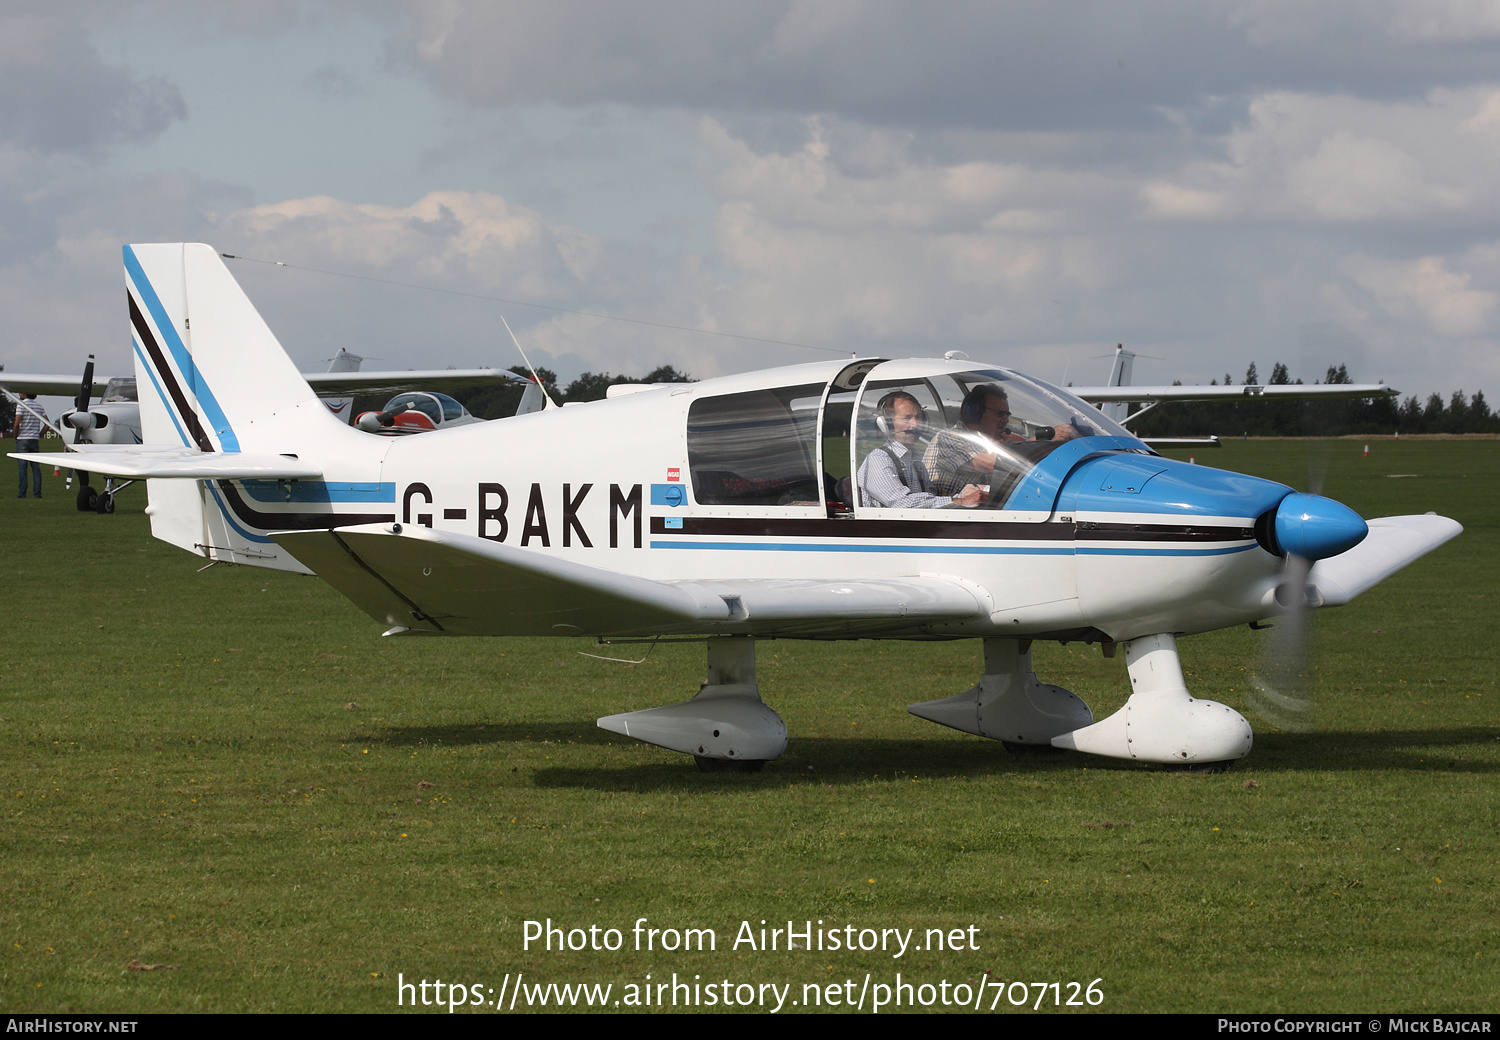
(437, 581)
(1393, 542)
(1285, 391)
(441, 380)
(49, 385)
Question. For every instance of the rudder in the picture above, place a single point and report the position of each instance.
(207, 365)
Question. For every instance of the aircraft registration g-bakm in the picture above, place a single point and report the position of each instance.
(724, 509)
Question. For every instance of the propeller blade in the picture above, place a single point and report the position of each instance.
(1281, 690)
(86, 388)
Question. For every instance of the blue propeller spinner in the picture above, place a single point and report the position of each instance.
(1315, 528)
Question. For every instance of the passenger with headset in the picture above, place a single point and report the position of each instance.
(892, 476)
(969, 454)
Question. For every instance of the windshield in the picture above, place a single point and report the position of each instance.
(120, 388)
(976, 432)
(422, 402)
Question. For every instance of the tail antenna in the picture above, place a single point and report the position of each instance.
(550, 403)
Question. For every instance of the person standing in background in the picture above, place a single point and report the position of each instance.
(30, 418)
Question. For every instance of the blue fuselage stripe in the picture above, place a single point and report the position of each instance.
(230, 519)
(952, 550)
(1222, 551)
(320, 491)
(196, 384)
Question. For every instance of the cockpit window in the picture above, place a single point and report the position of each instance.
(425, 403)
(755, 448)
(120, 388)
(451, 408)
(985, 429)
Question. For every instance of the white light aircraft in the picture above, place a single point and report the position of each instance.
(714, 509)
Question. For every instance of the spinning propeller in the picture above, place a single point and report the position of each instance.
(1303, 529)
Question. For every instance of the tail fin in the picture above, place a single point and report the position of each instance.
(206, 364)
(212, 377)
(1119, 375)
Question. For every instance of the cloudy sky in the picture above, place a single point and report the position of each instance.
(1210, 183)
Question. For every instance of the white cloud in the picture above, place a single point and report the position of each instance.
(960, 64)
(1341, 159)
(1444, 300)
(1365, 178)
(1446, 20)
(467, 238)
(57, 95)
(1204, 182)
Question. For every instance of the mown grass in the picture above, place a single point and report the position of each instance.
(230, 772)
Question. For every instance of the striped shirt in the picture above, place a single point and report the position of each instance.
(950, 459)
(29, 425)
(882, 484)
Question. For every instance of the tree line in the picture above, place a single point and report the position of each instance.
(1259, 417)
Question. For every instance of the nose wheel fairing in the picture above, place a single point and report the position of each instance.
(1161, 722)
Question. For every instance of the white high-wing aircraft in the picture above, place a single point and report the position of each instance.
(116, 417)
(1115, 398)
(714, 509)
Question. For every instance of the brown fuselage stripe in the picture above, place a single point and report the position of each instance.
(954, 530)
(289, 521)
(159, 359)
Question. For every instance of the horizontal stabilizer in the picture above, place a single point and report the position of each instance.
(1393, 542)
(176, 462)
(437, 581)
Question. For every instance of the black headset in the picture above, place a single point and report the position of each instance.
(971, 412)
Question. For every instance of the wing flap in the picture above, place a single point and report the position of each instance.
(1393, 542)
(867, 606)
(438, 581)
(462, 585)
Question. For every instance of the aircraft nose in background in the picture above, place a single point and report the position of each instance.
(1315, 528)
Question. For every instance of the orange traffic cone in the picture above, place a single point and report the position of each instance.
(1192, 460)
(56, 472)
(1367, 451)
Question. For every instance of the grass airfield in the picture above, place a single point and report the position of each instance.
(231, 773)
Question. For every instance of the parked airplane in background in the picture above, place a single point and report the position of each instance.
(421, 411)
(116, 417)
(714, 509)
(1115, 398)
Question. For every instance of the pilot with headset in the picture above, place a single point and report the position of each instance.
(956, 458)
(892, 477)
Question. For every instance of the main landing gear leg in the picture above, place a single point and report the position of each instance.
(1009, 703)
(726, 727)
(1162, 722)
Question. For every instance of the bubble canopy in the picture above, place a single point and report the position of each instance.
(980, 425)
(799, 443)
